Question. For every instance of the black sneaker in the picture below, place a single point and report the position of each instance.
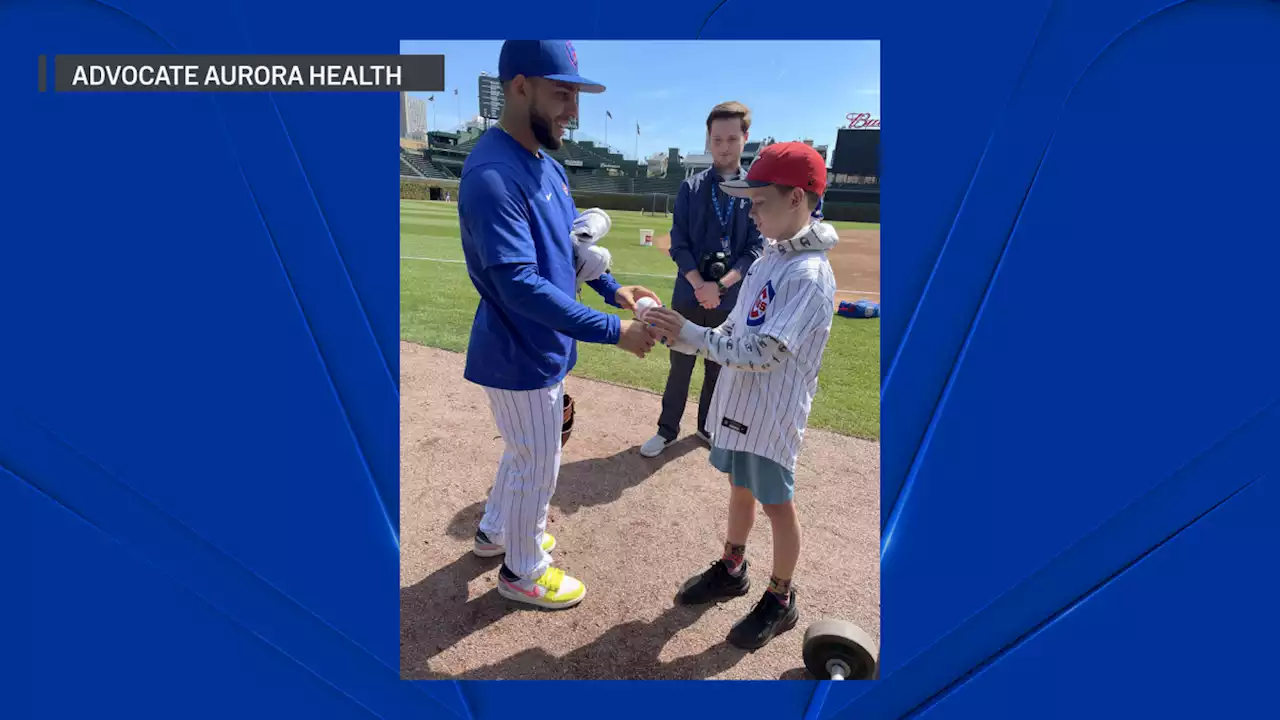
(767, 620)
(507, 575)
(716, 583)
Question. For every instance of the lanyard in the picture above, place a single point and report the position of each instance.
(726, 216)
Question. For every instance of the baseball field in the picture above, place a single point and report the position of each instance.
(437, 304)
(633, 529)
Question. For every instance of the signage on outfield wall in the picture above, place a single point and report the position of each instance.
(862, 121)
(611, 167)
(573, 163)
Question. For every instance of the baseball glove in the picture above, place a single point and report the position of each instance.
(566, 429)
(592, 261)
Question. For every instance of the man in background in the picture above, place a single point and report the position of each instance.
(707, 222)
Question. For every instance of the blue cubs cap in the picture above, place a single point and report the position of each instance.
(550, 59)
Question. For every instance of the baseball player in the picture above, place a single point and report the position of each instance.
(517, 215)
(771, 350)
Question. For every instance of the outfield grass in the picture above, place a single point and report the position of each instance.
(438, 302)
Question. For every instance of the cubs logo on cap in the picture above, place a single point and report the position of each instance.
(788, 163)
(760, 308)
(550, 59)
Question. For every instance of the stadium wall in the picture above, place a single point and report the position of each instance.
(416, 188)
(851, 212)
(614, 201)
(420, 189)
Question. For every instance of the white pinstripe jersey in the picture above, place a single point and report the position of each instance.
(788, 294)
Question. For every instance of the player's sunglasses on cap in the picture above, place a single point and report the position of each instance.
(787, 163)
(550, 59)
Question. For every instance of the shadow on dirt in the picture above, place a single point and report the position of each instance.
(629, 651)
(587, 483)
(435, 614)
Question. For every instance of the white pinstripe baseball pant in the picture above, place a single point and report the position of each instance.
(515, 515)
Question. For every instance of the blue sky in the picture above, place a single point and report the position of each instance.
(795, 90)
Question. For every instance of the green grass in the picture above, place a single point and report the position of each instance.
(438, 303)
(846, 225)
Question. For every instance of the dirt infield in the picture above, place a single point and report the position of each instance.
(631, 528)
(855, 261)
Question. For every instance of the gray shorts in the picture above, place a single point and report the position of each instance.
(769, 482)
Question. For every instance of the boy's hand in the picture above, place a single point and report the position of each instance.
(627, 296)
(665, 321)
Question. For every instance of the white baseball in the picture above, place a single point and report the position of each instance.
(643, 305)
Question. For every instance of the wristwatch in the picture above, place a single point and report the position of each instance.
(720, 284)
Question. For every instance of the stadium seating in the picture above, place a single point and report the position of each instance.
(853, 193)
(445, 162)
(450, 166)
(666, 186)
(584, 151)
(407, 168)
(600, 183)
(424, 167)
(629, 185)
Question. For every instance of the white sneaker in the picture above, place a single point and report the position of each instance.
(654, 446)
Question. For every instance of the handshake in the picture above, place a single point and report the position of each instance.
(653, 324)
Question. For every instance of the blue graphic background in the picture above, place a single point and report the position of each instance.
(198, 365)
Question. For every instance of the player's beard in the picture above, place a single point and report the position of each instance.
(542, 130)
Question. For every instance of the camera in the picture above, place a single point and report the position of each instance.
(714, 266)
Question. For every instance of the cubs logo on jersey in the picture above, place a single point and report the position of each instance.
(760, 308)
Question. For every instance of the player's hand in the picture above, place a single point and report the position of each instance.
(635, 338)
(708, 295)
(666, 322)
(627, 296)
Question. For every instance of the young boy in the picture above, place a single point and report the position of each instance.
(771, 350)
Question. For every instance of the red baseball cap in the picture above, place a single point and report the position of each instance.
(786, 163)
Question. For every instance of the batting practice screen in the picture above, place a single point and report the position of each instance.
(857, 153)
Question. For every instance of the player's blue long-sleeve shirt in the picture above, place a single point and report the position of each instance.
(516, 213)
(532, 297)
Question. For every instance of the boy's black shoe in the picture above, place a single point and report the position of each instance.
(767, 620)
(716, 583)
